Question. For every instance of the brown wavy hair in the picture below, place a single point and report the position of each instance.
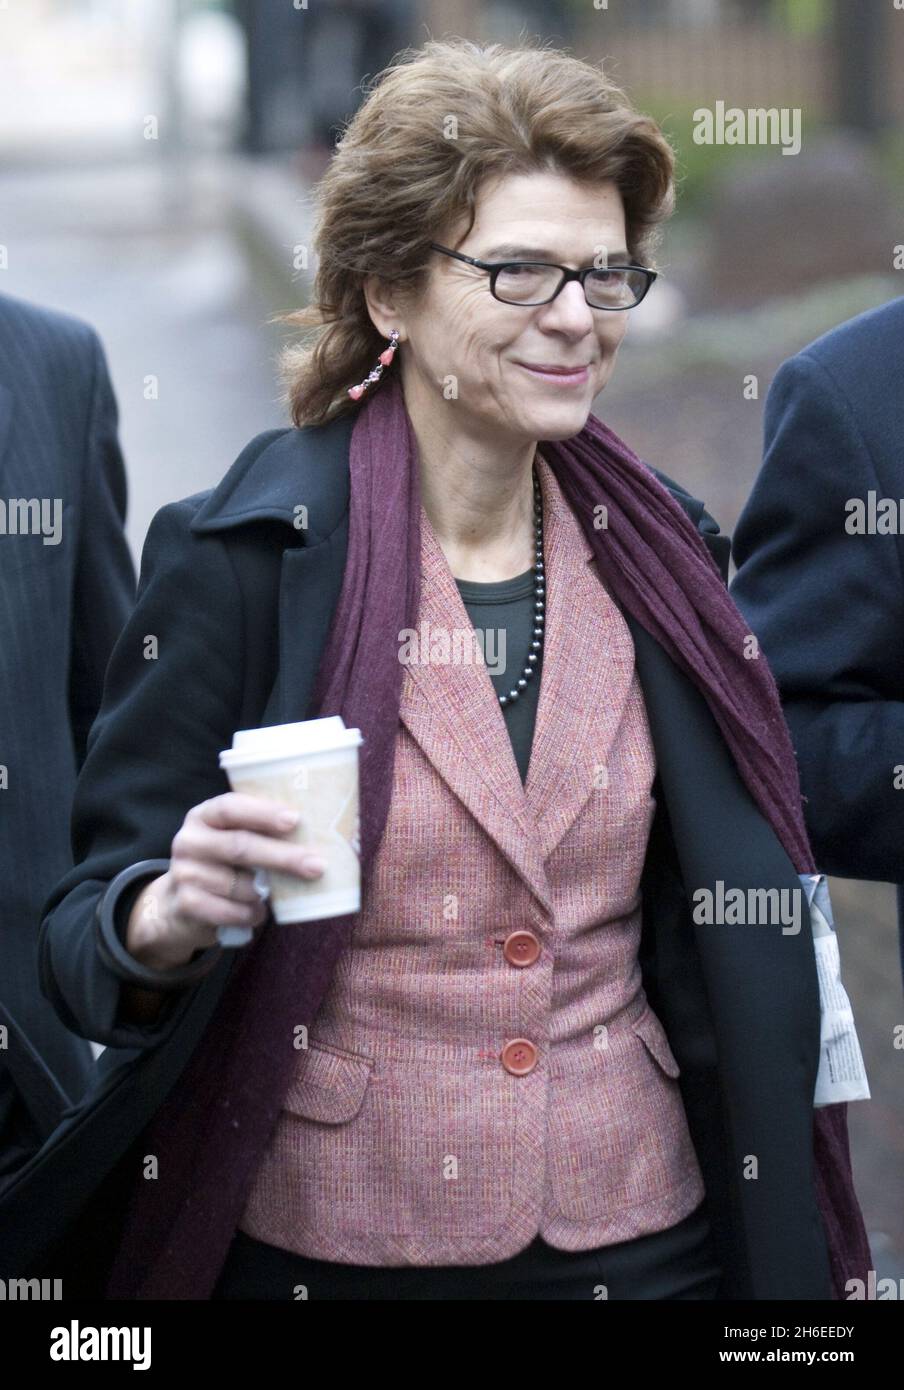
(435, 124)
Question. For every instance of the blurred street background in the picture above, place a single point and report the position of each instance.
(156, 165)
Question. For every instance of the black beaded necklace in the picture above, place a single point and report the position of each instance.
(536, 646)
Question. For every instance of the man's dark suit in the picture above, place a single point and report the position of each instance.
(62, 606)
(828, 605)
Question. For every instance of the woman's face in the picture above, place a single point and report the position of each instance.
(469, 356)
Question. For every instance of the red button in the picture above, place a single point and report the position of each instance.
(521, 948)
(519, 1056)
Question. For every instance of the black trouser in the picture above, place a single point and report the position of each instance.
(677, 1263)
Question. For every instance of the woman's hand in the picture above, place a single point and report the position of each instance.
(210, 882)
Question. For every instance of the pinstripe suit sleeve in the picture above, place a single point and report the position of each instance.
(104, 589)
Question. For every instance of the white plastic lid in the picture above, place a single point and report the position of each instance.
(284, 740)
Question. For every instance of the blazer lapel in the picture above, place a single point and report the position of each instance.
(588, 670)
(450, 708)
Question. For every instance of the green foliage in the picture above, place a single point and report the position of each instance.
(890, 151)
(802, 17)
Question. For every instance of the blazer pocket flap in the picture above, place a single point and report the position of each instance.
(650, 1030)
(328, 1084)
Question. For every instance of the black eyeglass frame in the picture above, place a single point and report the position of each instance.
(495, 267)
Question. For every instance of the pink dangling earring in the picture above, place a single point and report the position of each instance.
(356, 392)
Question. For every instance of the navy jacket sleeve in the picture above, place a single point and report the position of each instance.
(718, 545)
(104, 589)
(826, 606)
(172, 699)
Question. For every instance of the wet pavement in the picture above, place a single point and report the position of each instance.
(156, 258)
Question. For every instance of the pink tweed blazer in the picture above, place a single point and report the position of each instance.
(485, 1065)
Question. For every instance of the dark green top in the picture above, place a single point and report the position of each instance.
(508, 607)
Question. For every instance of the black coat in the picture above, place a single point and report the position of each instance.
(828, 604)
(62, 606)
(240, 602)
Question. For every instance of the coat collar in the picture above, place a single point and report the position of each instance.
(280, 472)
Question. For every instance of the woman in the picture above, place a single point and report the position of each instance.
(523, 1069)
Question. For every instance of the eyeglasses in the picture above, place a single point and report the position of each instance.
(528, 283)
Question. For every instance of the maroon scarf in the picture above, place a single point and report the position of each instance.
(211, 1132)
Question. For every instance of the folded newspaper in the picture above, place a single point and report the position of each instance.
(841, 1075)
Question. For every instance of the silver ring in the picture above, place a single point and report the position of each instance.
(232, 886)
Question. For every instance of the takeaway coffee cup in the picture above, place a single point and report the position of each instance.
(312, 766)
